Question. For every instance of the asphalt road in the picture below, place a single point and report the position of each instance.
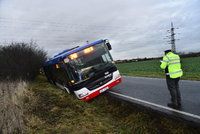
(153, 93)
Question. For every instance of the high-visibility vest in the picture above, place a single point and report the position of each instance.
(172, 61)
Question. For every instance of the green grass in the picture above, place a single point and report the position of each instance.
(51, 110)
(190, 66)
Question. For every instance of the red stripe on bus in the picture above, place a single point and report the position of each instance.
(96, 93)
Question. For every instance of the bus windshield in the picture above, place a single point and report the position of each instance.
(89, 62)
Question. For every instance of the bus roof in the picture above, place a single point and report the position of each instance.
(60, 56)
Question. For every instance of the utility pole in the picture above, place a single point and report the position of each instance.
(171, 38)
(173, 47)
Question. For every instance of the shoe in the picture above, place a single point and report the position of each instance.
(174, 106)
(179, 104)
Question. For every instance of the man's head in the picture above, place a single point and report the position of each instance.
(167, 51)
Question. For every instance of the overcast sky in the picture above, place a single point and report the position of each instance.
(135, 28)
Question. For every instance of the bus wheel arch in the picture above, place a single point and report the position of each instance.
(67, 90)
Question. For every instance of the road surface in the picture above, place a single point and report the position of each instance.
(152, 93)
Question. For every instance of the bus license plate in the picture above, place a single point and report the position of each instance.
(103, 90)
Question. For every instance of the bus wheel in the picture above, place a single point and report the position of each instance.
(53, 82)
(68, 90)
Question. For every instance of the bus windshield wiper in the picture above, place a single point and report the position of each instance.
(99, 69)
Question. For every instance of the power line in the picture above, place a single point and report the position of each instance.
(60, 30)
(68, 25)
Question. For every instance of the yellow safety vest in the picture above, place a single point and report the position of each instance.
(172, 61)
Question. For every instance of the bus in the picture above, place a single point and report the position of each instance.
(87, 71)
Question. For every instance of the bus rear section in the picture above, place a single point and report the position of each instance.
(86, 71)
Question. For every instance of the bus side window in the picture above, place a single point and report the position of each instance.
(61, 74)
(54, 72)
(71, 72)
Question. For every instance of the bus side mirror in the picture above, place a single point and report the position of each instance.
(109, 46)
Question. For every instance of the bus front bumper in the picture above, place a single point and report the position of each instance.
(101, 90)
(86, 95)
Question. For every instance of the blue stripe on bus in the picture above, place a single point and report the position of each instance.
(59, 57)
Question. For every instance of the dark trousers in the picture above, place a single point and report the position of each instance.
(173, 88)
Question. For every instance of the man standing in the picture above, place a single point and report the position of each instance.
(171, 64)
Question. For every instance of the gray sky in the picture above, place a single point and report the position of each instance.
(135, 28)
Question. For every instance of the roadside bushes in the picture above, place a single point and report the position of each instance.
(20, 61)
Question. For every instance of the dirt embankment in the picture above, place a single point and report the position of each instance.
(11, 107)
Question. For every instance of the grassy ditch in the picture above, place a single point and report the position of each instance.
(151, 68)
(51, 110)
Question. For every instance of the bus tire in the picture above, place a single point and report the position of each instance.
(53, 82)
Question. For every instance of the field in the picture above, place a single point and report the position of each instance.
(151, 68)
(51, 110)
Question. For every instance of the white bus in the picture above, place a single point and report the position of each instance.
(86, 71)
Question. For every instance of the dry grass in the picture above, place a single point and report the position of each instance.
(11, 107)
(50, 110)
(43, 108)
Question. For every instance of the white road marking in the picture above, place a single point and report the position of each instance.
(157, 105)
(138, 77)
(152, 78)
